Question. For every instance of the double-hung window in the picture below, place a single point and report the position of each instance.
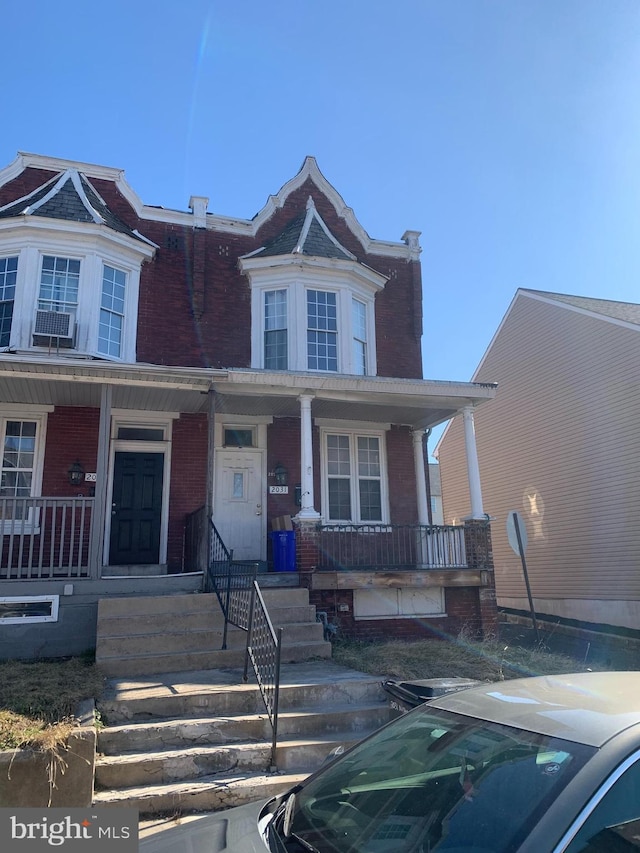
(359, 323)
(322, 330)
(112, 304)
(275, 330)
(21, 471)
(8, 274)
(354, 477)
(59, 279)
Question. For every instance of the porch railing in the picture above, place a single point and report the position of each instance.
(390, 546)
(45, 537)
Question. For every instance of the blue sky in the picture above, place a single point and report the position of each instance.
(507, 131)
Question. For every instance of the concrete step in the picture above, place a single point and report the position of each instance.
(134, 664)
(138, 605)
(212, 793)
(182, 695)
(211, 747)
(299, 755)
(161, 734)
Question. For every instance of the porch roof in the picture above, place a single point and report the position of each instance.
(417, 403)
(63, 381)
(77, 382)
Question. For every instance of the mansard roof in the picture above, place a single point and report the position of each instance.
(306, 234)
(68, 196)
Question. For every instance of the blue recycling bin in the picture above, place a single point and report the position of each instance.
(284, 550)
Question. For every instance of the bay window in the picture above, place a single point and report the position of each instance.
(275, 330)
(8, 275)
(112, 311)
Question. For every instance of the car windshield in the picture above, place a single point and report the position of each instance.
(435, 781)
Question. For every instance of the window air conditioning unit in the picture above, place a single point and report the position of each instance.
(54, 324)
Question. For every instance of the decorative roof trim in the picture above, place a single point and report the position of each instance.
(408, 249)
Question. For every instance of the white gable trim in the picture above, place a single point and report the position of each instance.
(407, 250)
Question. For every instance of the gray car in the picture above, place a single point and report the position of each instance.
(532, 765)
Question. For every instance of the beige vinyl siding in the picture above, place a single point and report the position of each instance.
(562, 438)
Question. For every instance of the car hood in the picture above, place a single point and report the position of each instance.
(232, 831)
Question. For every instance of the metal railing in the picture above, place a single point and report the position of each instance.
(45, 537)
(264, 650)
(390, 546)
(243, 606)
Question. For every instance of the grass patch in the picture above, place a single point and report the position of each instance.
(489, 660)
(38, 699)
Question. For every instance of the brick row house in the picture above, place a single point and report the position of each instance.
(158, 367)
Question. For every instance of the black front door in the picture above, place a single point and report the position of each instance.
(136, 509)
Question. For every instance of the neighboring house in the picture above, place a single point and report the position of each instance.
(435, 494)
(560, 444)
(159, 368)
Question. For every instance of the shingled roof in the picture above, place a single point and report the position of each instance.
(69, 196)
(307, 234)
(629, 312)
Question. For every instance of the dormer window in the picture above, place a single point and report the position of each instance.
(69, 280)
(313, 303)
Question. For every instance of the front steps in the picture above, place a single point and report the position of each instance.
(169, 633)
(198, 741)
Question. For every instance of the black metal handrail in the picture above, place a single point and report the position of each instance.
(264, 650)
(243, 606)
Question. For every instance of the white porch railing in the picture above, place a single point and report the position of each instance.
(45, 537)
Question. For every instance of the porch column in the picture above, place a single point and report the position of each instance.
(307, 510)
(421, 480)
(96, 551)
(473, 469)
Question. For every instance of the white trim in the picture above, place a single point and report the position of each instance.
(131, 418)
(25, 620)
(337, 429)
(353, 426)
(407, 250)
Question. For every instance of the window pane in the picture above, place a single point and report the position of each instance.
(238, 438)
(275, 330)
(322, 325)
(59, 284)
(112, 311)
(370, 500)
(8, 275)
(18, 458)
(338, 461)
(339, 499)
(368, 456)
(275, 350)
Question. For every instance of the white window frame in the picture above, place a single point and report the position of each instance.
(8, 257)
(26, 413)
(354, 432)
(93, 251)
(296, 281)
(23, 620)
(111, 311)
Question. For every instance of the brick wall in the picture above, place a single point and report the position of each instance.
(72, 434)
(188, 480)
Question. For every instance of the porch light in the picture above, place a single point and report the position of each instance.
(76, 474)
(280, 475)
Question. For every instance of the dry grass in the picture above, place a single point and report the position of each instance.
(485, 661)
(38, 699)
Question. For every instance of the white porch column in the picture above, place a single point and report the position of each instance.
(473, 469)
(98, 522)
(421, 480)
(307, 510)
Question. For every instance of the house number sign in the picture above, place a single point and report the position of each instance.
(278, 490)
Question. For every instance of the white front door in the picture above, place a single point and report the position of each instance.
(238, 503)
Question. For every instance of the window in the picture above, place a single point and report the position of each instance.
(322, 331)
(359, 322)
(8, 274)
(354, 488)
(111, 311)
(275, 330)
(18, 458)
(614, 824)
(30, 608)
(59, 280)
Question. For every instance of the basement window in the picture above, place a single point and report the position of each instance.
(16, 610)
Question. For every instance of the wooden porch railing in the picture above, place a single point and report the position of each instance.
(45, 537)
(391, 546)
